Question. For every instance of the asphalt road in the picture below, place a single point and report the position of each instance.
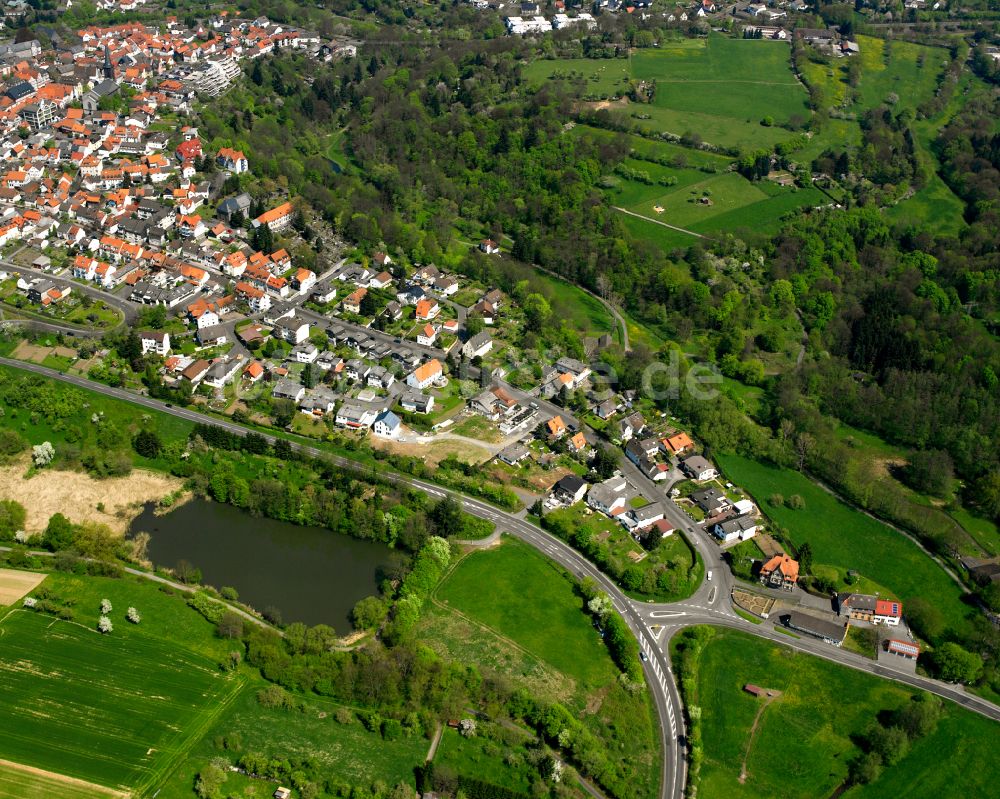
(708, 605)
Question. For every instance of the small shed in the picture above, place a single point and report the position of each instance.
(755, 690)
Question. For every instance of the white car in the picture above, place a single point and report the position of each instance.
(709, 575)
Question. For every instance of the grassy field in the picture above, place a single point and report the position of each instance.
(844, 538)
(484, 759)
(605, 77)
(345, 753)
(551, 625)
(804, 739)
(18, 783)
(114, 710)
(530, 626)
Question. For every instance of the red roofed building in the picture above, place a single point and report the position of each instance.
(277, 218)
(232, 160)
(780, 572)
(189, 150)
(888, 612)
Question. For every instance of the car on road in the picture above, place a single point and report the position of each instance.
(709, 575)
(682, 741)
(642, 656)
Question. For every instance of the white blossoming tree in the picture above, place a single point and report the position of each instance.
(133, 616)
(30, 602)
(42, 454)
(467, 727)
(104, 625)
(21, 536)
(105, 607)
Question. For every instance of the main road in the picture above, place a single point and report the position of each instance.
(708, 605)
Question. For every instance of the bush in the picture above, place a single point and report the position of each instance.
(795, 502)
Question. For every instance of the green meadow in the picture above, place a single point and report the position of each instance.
(806, 737)
(511, 611)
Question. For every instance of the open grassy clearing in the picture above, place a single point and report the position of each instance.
(530, 625)
(346, 753)
(114, 710)
(658, 149)
(764, 215)
(20, 782)
(682, 205)
(514, 570)
(844, 538)
(597, 77)
(803, 741)
(665, 238)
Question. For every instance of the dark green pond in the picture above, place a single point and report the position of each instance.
(310, 574)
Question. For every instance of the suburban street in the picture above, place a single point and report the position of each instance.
(653, 624)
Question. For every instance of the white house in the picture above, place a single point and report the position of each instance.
(425, 374)
(355, 416)
(738, 529)
(478, 345)
(155, 341)
(387, 425)
(608, 497)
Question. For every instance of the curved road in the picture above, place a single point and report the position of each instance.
(708, 605)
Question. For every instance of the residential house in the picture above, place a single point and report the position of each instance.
(352, 302)
(214, 336)
(387, 425)
(478, 345)
(641, 518)
(222, 372)
(698, 468)
(304, 280)
(631, 425)
(606, 409)
(415, 402)
(427, 335)
(710, 500)
(232, 161)
(427, 309)
(424, 375)
(608, 496)
(292, 331)
(306, 352)
(324, 292)
(739, 528)
(780, 572)
(195, 373)
(489, 247)
(677, 444)
(555, 428)
(514, 454)
(356, 416)
(577, 443)
(570, 489)
(277, 219)
(155, 341)
(888, 612)
(253, 372)
(288, 389)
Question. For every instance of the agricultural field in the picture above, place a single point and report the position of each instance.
(115, 710)
(805, 737)
(531, 626)
(843, 538)
(19, 782)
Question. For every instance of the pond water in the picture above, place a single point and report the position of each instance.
(310, 574)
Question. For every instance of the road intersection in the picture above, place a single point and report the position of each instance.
(653, 624)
